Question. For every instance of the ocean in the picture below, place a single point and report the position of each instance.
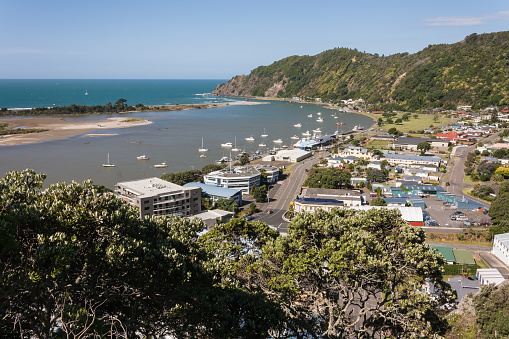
(173, 137)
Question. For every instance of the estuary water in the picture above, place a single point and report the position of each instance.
(173, 137)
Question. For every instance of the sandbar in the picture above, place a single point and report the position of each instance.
(58, 128)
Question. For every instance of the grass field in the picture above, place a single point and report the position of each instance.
(423, 121)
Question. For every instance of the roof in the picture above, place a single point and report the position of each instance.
(211, 214)
(214, 190)
(412, 157)
(319, 201)
(464, 257)
(424, 188)
(293, 152)
(489, 276)
(446, 251)
(411, 141)
(411, 214)
(464, 286)
(150, 186)
(395, 200)
(503, 238)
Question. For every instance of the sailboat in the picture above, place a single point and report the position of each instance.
(235, 149)
(264, 135)
(108, 164)
(86, 92)
(202, 149)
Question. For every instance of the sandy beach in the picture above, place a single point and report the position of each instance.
(58, 128)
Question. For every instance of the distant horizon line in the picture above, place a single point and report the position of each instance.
(112, 79)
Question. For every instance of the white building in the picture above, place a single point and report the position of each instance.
(241, 178)
(157, 197)
(293, 155)
(501, 247)
(489, 276)
(403, 159)
(211, 217)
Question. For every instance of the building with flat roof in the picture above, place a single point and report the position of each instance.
(413, 215)
(211, 217)
(488, 276)
(157, 197)
(272, 172)
(215, 193)
(402, 159)
(501, 247)
(446, 251)
(290, 155)
(240, 178)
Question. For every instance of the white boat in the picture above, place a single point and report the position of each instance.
(235, 149)
(227, 144)
(319, 113)
(335, 117)
(250, 138)
(222, 160)
(278, 141)
(318, 130)
(264, 135)
(295, 137)
(262, 145)
(301, 106)
(203, 156)
(161, 165)
(202, 149)
(108, 164)
(358, 128)
(86, 92)
(297, 125)
(310, 115)
(320, 119)
(306, 134)
(142, 157)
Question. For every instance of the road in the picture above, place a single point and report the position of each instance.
(284, 193)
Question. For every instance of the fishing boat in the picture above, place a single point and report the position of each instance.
(278, 141)
(161, 165)
(297, 125)
(320, 119)
(202, 149)
(250, 138)
(306, 134)
(310, 115)
(108, 164)
(142, 157)
(264, 135)
(295, 137)
(227, 144)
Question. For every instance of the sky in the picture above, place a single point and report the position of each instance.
(219, 39)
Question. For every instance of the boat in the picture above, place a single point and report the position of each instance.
(295, 137)
(358, 128)
(108, 164)
(86, 92)
(227, 144)
(235, 149)
(318, 130)
(297, 125)
(310, 115)
(335, 117)
(223, 160)
(142, 157)
(202, 149)
(301, 106)
(264, 135)
(161, 165)
(306, 134)
(203, 156)
(340, 123)
(319, 113)
(250, 138)
(320, 119)
(262, 145)
(278, 141)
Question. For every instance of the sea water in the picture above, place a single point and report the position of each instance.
(173, 137)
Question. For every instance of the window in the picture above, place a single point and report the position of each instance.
(146, 208)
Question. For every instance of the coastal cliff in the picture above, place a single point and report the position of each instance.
(474, 71)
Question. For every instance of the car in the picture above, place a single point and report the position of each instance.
(485, 212)
(458, 213)
(447, 184)
(270, 211)
(467, 223)
(453, 216)
(248, 217)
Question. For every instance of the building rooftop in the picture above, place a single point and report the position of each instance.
(214, 190)
(503, 238)
(319, 201)
(424, 188)
(412, 141)
(464, 257)
(412, 157)
(237, 172)
(149, 187)
(446, 251)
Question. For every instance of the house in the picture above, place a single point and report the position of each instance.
(452, 136)
(489, 276)
(404, 159)
(212, 217)
(215, 193)
(501, 247)
(412, 215)
(406, 143)
(347, 197)
(464, 286)
(446, 251)
(375, 165)
(356, 151)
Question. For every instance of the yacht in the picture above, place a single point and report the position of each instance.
(203, 156)
(297, 125)
(250, 138)
(161, 165)
(227, 144)
(318, 130)
(223, 160)
(202, 149)
(319, 113)
(358, 128)
(235, 149)
(310, 115)
(108, 164)
(306, 134)
(295, 137)
(142, 157)
(320, 119)
(278, 141)
(262, 145)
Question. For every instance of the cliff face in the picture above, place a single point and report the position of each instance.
(474, 72)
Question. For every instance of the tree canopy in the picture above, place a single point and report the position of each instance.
(328, 178)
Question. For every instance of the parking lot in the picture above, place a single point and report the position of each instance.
(442, 214)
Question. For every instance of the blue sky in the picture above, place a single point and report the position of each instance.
(218, 39)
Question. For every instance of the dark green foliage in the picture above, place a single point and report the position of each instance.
(211, 168)
(485, 169)
(259, 193)
(183, 178)
(438, 76)
(328, 178)
(378, 202)
(375, 175)
(227, 205)
(423, 147)
(469, 270)
(492, 311)
(119, 106)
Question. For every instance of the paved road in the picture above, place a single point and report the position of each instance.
(283, 193)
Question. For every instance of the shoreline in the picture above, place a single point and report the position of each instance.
(58, 128)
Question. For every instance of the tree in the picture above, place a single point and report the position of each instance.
(375, 175)
(259, 193)
(328, 178)
(244, 160)
(503, 171)
(120, 104)
(183, 178)
(491, 308)
(341, 274)
(423, 146)
(227, 205)
(392, 130)
(378, 202)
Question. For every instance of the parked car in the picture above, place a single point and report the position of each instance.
(467, 223)
(270, 211)
(485, 212)
(248, 217)
(447, 184)
(453, 216)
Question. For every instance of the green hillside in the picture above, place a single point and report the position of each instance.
(474, 72)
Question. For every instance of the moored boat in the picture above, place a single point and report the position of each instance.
(142, 157)
(227, 144)
(161, 165)
(297, 125)
(108, 164)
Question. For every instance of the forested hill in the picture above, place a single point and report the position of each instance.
(474, 72)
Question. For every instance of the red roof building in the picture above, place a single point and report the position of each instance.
(378, 112)
(451, 136)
